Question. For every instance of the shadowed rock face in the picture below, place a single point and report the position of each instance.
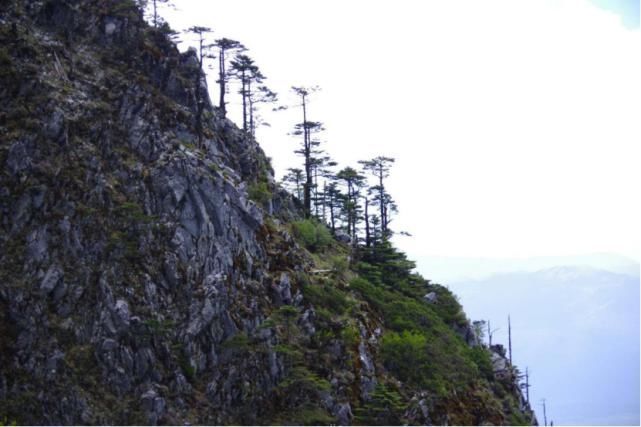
(129, 256)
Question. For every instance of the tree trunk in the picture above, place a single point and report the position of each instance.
(244, 95)
(381, 196)
(155, 15)
(331, 214)
(324, 202)
(252, 128)
(509, 338)
(307, 187)
(367, 235)
(221, 77)
(199, 103)
(315, 187)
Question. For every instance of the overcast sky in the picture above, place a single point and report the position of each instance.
(514, 124)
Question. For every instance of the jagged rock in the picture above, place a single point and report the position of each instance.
(417, 412)
(344, 414)
(343, 237)
(499, 363)
(335, 350)
(430, 297)
(52, 278)
(466, 332)
(53, 362)
(19, 159)
(55, 125)
(143, 362)
(368, 369)
(153, 405)
(180, 384)
(306, 321)
(121, 315)
(282, 292)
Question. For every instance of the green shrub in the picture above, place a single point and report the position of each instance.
(350, 335)
(327, 297)
(301, 380)
(404, 353)
(312, 234)
(340, 264)
(311, 416)
(259, 192)
(238, 343)
(481, 357)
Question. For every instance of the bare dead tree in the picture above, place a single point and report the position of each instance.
(509, 338)
(545, 419)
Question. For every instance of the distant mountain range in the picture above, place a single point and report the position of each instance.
(445, 269)
(577, 329)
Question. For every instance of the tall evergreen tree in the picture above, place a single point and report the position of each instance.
(321, 165)
(250, 76)
(245, 70)
(366, 218)
(379, 167)
(305, 128)
(332, 199)
(225, 46)
(353, 182)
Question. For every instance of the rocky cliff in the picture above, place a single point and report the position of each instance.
(141, 284)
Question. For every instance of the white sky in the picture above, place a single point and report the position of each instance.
(515, 124)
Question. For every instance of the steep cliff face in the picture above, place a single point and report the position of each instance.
(138, 281)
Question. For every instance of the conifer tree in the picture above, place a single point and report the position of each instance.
(294, 179)
(245, 70)
(225, 46)
(332, 199)
(305, 128)
(155, 4)
(321, 165)
(249, 75)
(366, 217)
(379, 167)
(262, 95)
(352, 181)
(155, 17)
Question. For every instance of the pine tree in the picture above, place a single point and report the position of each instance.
(225, 46)
(321, 168)
(249, 75)
(155, 5)
(294, 179)
(262, 95)
(379, 167)
(353, 182)
(305, 128)
(332, 199)
(245, 70)
(155, 17)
